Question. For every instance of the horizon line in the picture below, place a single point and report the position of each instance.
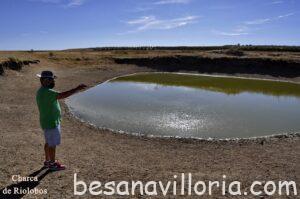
(156, 46)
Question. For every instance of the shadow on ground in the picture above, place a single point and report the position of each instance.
(226, 65)
(24, 185)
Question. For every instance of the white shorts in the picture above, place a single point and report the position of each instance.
(52, 136)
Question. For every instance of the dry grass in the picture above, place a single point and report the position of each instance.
(93, 58)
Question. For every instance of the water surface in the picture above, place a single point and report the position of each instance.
(167, 104)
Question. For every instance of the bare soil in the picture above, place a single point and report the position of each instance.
(106, 156)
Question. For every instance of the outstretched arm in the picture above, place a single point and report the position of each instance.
(68, 93)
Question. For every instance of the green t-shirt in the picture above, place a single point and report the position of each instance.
(49, 108)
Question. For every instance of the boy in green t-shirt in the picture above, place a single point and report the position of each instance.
(50, 116)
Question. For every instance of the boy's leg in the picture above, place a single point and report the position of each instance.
(52, 153)
(47, 154)
(53, 139)
(54, 165)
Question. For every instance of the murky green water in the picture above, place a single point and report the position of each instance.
(165, 104)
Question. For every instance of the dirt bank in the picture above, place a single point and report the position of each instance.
(15, 64)
(1, 69)
(105, 156)
(226, 65)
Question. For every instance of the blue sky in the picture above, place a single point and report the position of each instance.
(62, 24)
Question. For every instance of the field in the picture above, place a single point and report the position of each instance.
(96, 154)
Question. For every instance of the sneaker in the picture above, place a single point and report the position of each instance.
(47, 164)
(56, 166)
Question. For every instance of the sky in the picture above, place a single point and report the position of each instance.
(64, 24)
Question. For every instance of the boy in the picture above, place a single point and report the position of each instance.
(50, 116)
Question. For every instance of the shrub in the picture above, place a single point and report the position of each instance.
(13, 59)
(85, 58)
(235, 52)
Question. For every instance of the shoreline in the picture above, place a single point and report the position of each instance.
(193, 139)
(254, 77)
(140, 135)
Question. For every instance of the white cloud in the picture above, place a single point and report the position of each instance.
(223, 7)
(142, 20)
(67, 3)
(275, 2)
(267, 20)
(233, 33)
(152, 5)
(163, 2)
(241, 29)
(75, 3)
(140, 9)
(47, 1)
(286, 15)
(249, 26)
(258, 21)
(237, 31)
(151, 22)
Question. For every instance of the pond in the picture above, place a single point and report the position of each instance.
(187, 105)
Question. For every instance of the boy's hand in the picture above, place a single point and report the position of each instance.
(81, 87)
(66, 94)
